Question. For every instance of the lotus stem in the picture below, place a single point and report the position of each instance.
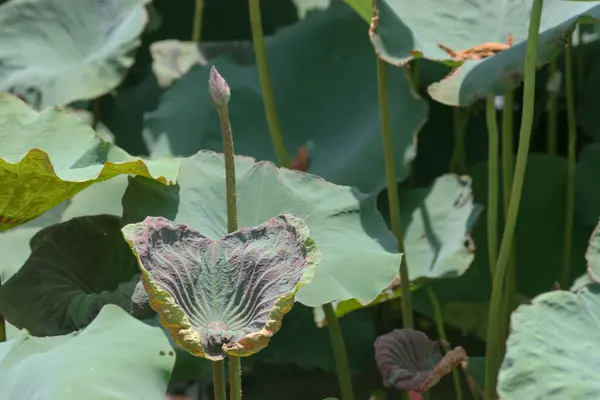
(507, 177)
(494, 338)
(219, 92)
(235, 374)
(580, 58)
(198, 17)
(492, 208)
(572, 132)
(552, 109)
(265, 83)
(458, 163)
(392, 191)
(339, 353)
(441, 331)
(2, 329)
(219, 382)
(507, 147)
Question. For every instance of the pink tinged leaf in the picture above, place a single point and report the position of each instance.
(408, 360)
(225, 296)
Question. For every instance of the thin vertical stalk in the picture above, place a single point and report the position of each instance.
(507, 147)
(507, 177)
(392, 190)
(572, 140)
(492, 208)
(441, 330)
(552, 113)
(260, 51)
(220, 93)
(580, 58)
(235, 378)
(219, 382)
(198, 17)
(339, 353)
(494, 338)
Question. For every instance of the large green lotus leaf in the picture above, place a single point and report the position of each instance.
(539, 236)
(59, 51)
(14, 247)
(437, 222)
(74, 269)
(226, 296)
(406, 32)
(360, 256)
(115, 357)
(324, 66)
(50, 156)
(552, 351)
(587, 186)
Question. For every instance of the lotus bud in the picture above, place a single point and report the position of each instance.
(218, 88)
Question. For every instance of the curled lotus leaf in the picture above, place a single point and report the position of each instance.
(226, 296)
(408, 360)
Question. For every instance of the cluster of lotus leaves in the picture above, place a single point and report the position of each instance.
(226, 296)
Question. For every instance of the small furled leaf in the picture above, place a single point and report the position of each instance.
(116, 357)
(409, 360)
(552, 351)
(59, 51)
(50, 156)
(225, 296)
(74, 269)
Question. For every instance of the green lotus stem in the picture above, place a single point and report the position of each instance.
(492, 208)
(441, 331)
(458, 163)
(260, 51)
(572, 132)
(198, 17)
(392, 190)
(219, 382)
(580, 59)
(339, 353)
(493, 356)
(220, 93)
(507, 177)
(235, 374)
(552, 111)
(507, 147)
(2, 329)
